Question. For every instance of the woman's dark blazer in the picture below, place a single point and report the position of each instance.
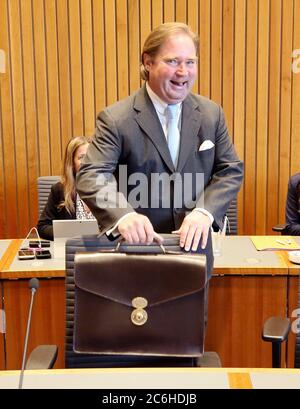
(292, 210)
(52, 212)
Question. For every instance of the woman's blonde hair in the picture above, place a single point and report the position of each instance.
(68, 172)
(157, 38)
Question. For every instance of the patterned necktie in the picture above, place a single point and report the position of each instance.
(173, 135)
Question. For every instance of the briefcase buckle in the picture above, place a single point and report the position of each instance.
(139, 316)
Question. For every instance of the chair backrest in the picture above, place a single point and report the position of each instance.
(44, 184)
(75, 360)
(232, 214)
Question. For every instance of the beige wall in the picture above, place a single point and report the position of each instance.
(66, 60)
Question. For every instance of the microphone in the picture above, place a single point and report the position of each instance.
(33, 285)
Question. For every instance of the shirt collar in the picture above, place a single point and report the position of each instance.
(158, 103)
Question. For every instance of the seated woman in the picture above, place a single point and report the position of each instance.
(63, 201)
(292, 209)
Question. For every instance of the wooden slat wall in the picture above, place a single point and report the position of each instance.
(67, 59)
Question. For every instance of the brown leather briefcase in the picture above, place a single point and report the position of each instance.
(139, 304)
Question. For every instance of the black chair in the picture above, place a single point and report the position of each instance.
(75, 360)
(280, 228)
(276, 331)
(44, 184)
(232, 214)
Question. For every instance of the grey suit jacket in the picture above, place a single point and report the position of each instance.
(129, 133)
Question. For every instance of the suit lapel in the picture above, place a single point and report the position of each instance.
(191, 121)
(147, 119)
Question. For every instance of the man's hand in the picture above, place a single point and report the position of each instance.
(195, 227)
(137, 228)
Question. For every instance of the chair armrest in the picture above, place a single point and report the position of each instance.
(276, 329)
(42, 357)
(209, 360)
(279, 228)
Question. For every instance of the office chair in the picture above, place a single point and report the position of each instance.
(44, 184)
(276, 331)
(280, 228)
(232, 214)
(75, 360)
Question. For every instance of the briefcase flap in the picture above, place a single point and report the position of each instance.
(157, 278)
(139, 304)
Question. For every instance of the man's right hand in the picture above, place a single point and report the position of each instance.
(137, 228)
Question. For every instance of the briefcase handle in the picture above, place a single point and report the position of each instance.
(117, 249)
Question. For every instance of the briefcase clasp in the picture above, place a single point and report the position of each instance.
(139, 316)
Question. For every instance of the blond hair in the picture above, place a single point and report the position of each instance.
(68, 172)
(157, 38)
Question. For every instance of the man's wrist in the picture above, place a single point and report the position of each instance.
(114, 230)
(206, 212)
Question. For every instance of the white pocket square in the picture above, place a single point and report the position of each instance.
(206, 145)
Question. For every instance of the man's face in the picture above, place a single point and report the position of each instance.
(172, 72)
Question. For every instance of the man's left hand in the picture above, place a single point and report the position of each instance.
(195, 227)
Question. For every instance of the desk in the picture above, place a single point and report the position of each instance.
(246, 288)
(153, 378)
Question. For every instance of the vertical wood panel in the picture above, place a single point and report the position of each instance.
(227, 74)
(239, 97)
(145, 23)
(88, 66)
(181, 10)
(110, 46)
(169, 10)
(76, 67)
(157, 13)
(216, 50)
(10, 189)
(273, 116)
(285, 112)
(134, 46)
(122, 52)
(68, 59)
(205, 48)
(250, 128)
(295, 132)
(2, 179)
(53, 86)
(262, 117)
(99, 55)
(64, 71)
(42, 111)
(193, 22)
(145, 20)
(19, 117)
(30, 111)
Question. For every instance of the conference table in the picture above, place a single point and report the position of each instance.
(143, 380)
(247, 287)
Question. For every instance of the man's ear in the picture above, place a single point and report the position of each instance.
(147, 61)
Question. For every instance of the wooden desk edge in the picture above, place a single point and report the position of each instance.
(8, 257)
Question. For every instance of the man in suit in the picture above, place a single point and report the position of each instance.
(204, 171)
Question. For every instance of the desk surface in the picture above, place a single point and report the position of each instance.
(155, 378)
(3, 250)
(3, 246)
(239, 257)
(12, 267)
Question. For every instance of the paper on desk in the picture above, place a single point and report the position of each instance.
(275, 243)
